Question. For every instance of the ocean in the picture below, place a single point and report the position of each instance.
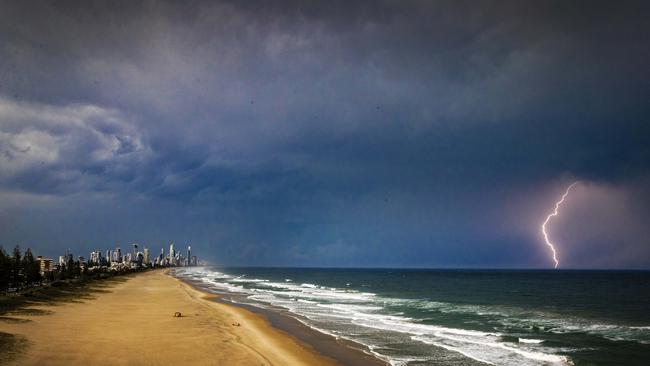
(459, 317)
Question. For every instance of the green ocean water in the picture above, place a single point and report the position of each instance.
(460, 317)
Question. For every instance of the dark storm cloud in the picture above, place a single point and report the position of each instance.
(296, 128)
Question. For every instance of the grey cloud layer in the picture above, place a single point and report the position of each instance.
(53, 149)
(306, 117)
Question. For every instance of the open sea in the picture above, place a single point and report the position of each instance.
(459, 317)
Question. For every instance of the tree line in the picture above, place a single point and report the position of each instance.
(20, 271)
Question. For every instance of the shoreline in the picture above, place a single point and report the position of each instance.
(342, 350)
(133, 322)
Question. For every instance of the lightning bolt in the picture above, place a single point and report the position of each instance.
(548, 218)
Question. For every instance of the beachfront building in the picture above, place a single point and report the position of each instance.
(67, 264)
(45, 265)
(94, 257)
(82, 263)
(64, 259)
(172, 253)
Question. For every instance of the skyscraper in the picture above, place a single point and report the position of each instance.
(45, 265)
(187, 260)
(146, 256)
(94, 257)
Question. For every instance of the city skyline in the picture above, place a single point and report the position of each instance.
(113, 259)
(115, 253)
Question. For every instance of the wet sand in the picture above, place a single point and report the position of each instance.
(133, 324)
(343, 351)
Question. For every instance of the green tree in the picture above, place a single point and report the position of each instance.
(31, 268)
(61, 273)
(16, 275)
(5, 269)
(77, 269)
(50, 276)
(69, 268)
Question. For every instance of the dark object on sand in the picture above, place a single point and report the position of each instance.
(177, 314)
(236, 324)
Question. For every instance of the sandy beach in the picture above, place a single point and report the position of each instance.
(132, 323)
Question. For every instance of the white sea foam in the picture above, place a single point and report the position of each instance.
(307, 301)
(351, 307)
(472, 343)
(404, 361)
(489, 351)
(453, 349)
(525, 318)
(531, 341)
(363, 315)
(251, 280)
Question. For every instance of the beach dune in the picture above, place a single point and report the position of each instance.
(134, 324)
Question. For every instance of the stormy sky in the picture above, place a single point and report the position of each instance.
(329, 133)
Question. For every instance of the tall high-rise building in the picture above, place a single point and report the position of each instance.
(119, 255)
(94, 257)
(146, 256)
(189, 256)
(172, 253)
(45, 265)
